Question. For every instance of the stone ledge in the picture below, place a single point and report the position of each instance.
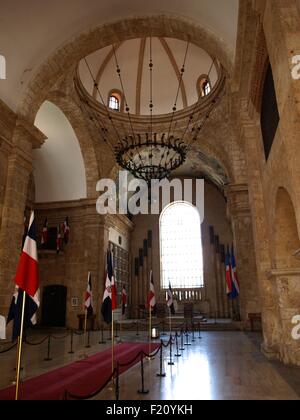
(284, 272)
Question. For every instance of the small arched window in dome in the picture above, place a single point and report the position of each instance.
(114, 102)
(204, 86)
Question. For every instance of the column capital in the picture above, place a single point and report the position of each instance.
(30, 133)
(238, 199)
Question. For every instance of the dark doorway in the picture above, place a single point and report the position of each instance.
(54, 306)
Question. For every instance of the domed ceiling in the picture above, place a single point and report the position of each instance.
(133, 57)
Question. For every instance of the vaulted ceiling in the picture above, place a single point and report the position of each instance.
(133, 56)
(31, 30)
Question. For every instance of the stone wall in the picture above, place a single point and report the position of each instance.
(276, 225)
(89, 236)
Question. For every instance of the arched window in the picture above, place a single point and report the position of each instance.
(181, 247)
(114, 102)
(204, 86)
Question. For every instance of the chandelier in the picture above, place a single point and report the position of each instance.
(150, 155)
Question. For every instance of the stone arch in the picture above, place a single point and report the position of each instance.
(65, 176)
(286, 237)
(286, 274)
(67, 56)
(74, 114)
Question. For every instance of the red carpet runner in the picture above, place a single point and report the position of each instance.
(81, 378)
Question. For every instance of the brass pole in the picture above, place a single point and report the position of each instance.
(112, 343)
(19, 354)
(85, 327)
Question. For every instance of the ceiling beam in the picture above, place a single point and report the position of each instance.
(140, 76)
(176, 69)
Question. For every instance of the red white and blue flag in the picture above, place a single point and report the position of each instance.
(151, 294)
(124, 300)
(44, 240)
(109, 303)
(66, 230)
(26, 280)
(88, 301)
(170, 301)
(232, 284)
(228, 273)
(58, 240)
(235, 283)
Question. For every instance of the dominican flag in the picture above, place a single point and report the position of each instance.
(124, 300)
(66, 230)
(228, 273)
(44, 240)
(27, 280)
(170, 301)
(88, 301)
(234, 279)
(25, 231)
(109, 302)
(58, 240)
(151, 294)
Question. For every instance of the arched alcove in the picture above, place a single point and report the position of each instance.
(59, 170)
(287, 274)
(285, 232)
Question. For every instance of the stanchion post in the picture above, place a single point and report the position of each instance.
(143, 391)
(102, 336)
(117, 385)
(200, 337)
(177, 347)
(88, 346)
(193, 330)
(48, 358)
(187, 338)
(161, 374)
(137, 328)
(116, 334)
(72, 341)
(171, 363)
(182, 343)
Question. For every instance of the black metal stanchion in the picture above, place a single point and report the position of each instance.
(102, 341)
(143, 391)
(161, 374)
(182, 343)
(72, 341)
(117, 384)
(177, 347)
(187, 338)
(171, 363)
(200, 337)
(137, 329)
(163, 327)
(193, 336)
(88, 346)
(109, 337)
(116, 334)
(48, 358)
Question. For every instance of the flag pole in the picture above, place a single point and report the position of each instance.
(150, 329)
(170, 322)
(85, 326)
(19, 354)
(112, 344)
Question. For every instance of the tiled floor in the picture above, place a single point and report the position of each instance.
(222, 365)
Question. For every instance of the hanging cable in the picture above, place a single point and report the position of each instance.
(102, 100)
(177, 96)
(127, 109)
